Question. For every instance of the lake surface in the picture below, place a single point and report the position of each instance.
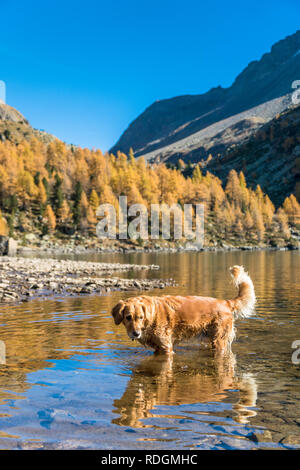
(73, 380)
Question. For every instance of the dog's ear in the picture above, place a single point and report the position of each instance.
(118, 312)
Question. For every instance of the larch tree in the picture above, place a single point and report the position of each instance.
(64, 213)
(42, 194)
(50, 219)
(282, 219)
(94, 200)
(268, 211)
(292, 209)
(3, 226)
(248, 222)
(233, 187)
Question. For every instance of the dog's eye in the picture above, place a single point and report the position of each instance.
(128, 317)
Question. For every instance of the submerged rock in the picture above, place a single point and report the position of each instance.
(265, 436)
(291, 440)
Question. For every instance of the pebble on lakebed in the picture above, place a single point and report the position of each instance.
(22, 278)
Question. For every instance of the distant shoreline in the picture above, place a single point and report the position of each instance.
(36, 273)
(82, 250)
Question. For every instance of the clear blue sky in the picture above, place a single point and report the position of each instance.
(83, 70)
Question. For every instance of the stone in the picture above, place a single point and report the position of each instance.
(3, 245)
(265, 436)
(291, 440)
(8, 246)
(12, 247)
(31, 237)
(53, 285)
(23, 277)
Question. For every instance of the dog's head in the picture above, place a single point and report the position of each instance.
(133, 316)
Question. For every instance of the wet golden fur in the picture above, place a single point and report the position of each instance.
(161, 322)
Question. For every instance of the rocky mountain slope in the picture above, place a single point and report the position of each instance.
(191, 127)
(7, 113)
(270, 157)
(15, 127)
(221, 136)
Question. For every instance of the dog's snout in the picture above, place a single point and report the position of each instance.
(136, 334)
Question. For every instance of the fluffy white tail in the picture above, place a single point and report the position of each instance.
(243, 304)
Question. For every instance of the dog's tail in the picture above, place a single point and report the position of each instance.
(243, 304)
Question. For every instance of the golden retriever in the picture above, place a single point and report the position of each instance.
(161, 322)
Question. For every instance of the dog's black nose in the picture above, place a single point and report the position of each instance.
(136, 334)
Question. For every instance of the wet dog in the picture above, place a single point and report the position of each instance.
(161, 322)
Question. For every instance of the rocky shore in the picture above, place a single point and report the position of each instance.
(59, 249)
(77, 244)
(24, 278)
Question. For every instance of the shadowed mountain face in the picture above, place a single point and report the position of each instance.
(270, 157)
(183, 127)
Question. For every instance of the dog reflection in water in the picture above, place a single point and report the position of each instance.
(167, 380)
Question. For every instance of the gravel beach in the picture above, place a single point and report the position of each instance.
(24, 278)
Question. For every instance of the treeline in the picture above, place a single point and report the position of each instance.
(58, 188)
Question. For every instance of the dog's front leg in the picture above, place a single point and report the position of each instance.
(164, 346)
(163, 350)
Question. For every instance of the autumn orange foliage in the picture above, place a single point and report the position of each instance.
(65, 184)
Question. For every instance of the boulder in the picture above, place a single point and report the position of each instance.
(12, 247)
(8, 246)
(3, 245)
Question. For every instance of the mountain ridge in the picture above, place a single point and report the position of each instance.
(15, 127)
(165, 122)
(8, 113)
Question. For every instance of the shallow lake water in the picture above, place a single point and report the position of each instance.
(71, 379)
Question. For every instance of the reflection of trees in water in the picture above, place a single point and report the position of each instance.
(207, 273)
(179, 380)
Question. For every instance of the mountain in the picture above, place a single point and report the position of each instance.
(15, 127)
(7, 113)
(270, 157)
(191, 127)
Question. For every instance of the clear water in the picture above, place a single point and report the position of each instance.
(73, 380)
